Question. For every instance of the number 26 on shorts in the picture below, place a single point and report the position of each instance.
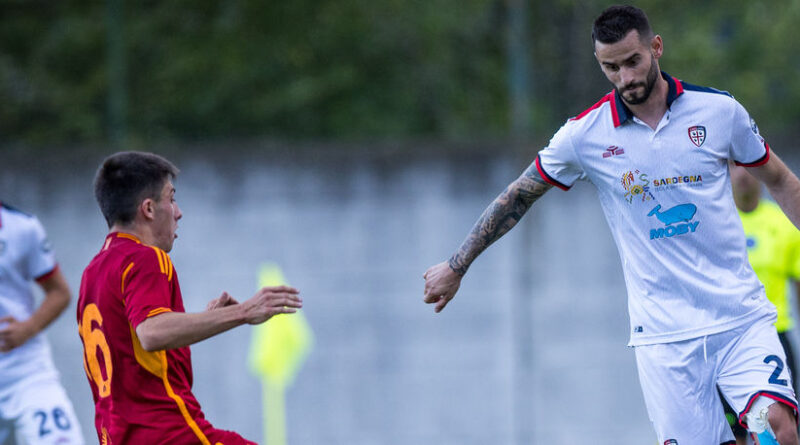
(58, 418)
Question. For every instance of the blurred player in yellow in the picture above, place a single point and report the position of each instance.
(773, 248)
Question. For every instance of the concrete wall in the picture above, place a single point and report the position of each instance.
(532, 350)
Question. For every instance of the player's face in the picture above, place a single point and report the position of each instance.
(631, 66)
(167, 215)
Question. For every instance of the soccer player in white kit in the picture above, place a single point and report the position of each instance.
(34, 407)
(657, 149)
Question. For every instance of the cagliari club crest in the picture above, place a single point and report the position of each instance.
(697, 135)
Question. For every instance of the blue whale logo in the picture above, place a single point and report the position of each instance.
(679, 213)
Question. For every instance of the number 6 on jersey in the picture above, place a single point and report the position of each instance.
(94, 338)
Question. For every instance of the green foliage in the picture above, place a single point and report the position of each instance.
(357, 69)
(314, 69)
(741, 46)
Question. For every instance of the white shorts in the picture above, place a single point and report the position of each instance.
(39, 413)
(679, 381)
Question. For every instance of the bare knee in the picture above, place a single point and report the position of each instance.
(783, 422)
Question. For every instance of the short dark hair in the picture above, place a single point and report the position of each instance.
(617, 21)
(127, 178)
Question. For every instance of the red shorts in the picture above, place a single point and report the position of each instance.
(222, 437)
(183, 437)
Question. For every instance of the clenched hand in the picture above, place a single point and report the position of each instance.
(441, 285)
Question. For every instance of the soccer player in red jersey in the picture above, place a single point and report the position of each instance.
(135, 332)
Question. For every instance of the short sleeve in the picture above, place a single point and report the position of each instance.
(748, 148)
(146, 286)
(41, 259)
(557, 162)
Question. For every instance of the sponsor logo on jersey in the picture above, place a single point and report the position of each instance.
(697, 134)
(613, 151)
(638, 329)
(636, 186)
(751, 242)
(677, 221)
(678, 180)
(671, 442)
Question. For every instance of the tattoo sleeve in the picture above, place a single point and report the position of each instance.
(501, 215)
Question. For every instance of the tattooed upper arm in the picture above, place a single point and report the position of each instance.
(532, 184)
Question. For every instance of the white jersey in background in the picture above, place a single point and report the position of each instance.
(666, 195)
(25, 256)
(34, 408)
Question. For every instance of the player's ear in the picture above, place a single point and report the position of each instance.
(657, 46)
(147, 208)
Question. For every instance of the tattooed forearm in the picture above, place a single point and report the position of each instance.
(501, 215)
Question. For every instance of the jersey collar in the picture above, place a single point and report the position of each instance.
(117, 235)
(621, 113)
(127, 236)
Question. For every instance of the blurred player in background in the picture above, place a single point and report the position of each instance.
(135, 332)
(773, 247)
(33, 404)
(657, 150)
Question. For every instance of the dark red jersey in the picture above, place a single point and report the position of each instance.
(140, 397)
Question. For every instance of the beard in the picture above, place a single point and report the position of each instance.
(635, 99)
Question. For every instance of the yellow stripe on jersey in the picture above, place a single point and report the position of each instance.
(169, 267)
(164, 262)
(151, 361)
(156, 363)
(158, 310)
(125, 274)
(160, 260)
(181, 405)
(122, 287)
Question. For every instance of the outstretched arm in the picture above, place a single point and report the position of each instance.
(443, 280)
(171, 330)
(782, 184)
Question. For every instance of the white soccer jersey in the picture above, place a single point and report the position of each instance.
(25, 255)
(666, 195)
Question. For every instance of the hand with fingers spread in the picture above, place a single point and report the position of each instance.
(170, 330)
(441, 285)
(224, 300)
(269, 301)
(13, 333)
